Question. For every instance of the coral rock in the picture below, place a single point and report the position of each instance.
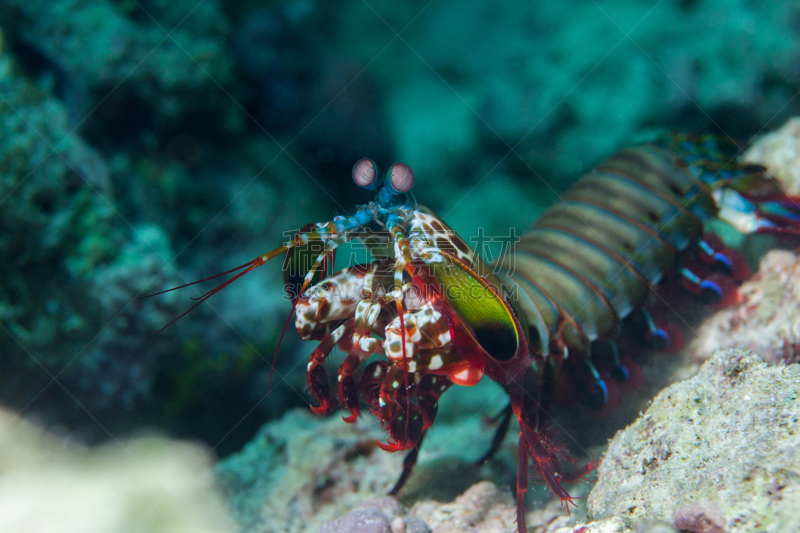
(149, 484)
(765, 319)
(483, 507)
(727, 437)
(779, 151)
(699, 519)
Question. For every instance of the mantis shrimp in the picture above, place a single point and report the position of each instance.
(428, 313)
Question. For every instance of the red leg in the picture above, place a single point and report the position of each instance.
(409, 462)
(499, 434)
(536, 445)
(348, 394)
(522, 483)
(547, 464)
(317, 376)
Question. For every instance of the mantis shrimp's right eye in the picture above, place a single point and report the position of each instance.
(400, 178)
(365, 173)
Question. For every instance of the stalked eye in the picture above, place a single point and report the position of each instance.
(365, 173)
(399, 179)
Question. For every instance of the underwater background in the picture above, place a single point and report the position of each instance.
(146, 144)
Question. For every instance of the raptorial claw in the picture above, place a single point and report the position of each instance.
(352, 416)
(317, 380)
(393, 446)
(321, 409)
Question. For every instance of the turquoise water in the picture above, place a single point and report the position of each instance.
(147, 144)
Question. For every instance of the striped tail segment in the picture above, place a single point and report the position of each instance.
(749, 199)
(586, 269)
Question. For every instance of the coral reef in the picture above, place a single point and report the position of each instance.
(274, 485)
(700, 519)
(149, 66)
(50, 483)
(381, 515)
(779, 151)
(487, 507)
(483, 507)
(765, 319)
(610, 525)
(145, 144)
(118, 369)
(71, 270)
(85, 232)
(726, 438)
(302, 473)
(54, 187)
(57, 226)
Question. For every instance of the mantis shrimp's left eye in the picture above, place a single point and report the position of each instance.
(400, 178)
(365, 172)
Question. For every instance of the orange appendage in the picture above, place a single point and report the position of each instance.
(466, 376)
